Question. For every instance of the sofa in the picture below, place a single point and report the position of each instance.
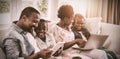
(95, 26)
(4, 29)
(113, 41)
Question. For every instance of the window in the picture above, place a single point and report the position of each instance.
(41, 5)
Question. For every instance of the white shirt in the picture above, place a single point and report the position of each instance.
(61, 34)
(32, 41)
(50, 42)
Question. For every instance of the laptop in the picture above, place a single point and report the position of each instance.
(95, 41)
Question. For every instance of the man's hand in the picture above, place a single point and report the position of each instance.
(45, 53)
(80, 42)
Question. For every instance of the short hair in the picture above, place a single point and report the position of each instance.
(65, 11)
(28, 11)
(78, 17)
(41, 26)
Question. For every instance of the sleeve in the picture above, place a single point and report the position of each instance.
(86, 33)
(12, 49)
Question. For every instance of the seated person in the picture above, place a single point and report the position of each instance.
(82, 32)
(78, 29)
(16, 45)
(62, 30)
(43, 38)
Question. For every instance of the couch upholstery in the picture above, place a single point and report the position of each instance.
(3, 30)
(95, 26)
(113, 41)
(2, 55)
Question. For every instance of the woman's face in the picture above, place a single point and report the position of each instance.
(78, 24)
(68, 20)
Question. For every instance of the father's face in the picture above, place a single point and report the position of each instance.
(31, 21)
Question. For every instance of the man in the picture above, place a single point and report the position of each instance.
(16, 45)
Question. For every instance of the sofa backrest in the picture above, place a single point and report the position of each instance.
(93, 25)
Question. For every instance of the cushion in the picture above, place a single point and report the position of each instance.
(93, 25)
(113, 41)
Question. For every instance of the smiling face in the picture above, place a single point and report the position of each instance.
(41, 29)
(31, 21)
(78, 22)
(29, 18)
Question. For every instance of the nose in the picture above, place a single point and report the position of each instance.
(35, 24)
(43, 31)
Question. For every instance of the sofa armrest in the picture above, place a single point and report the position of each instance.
(2, 55)
(113, 41)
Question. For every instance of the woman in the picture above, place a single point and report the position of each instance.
(62, 30)
(79, 30)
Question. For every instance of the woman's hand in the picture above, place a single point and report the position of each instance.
(80, 42)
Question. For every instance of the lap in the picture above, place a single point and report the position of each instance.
(73, 53)
(95, 54)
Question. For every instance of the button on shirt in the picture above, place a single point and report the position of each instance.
(16, 45)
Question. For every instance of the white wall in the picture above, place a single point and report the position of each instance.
(6, 18)
(52, 10)
(16, 6)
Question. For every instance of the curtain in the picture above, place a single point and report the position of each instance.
(94, 8)
(113, 12)
(109, 10)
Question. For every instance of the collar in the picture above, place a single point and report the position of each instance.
(18, 29)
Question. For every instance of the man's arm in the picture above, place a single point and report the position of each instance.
(44, 53)
(13, 51)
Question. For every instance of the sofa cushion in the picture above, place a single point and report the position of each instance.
(93, 25)
(113, 41)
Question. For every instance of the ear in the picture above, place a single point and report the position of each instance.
(24, 18)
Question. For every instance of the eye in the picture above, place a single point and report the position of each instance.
(34, 21)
